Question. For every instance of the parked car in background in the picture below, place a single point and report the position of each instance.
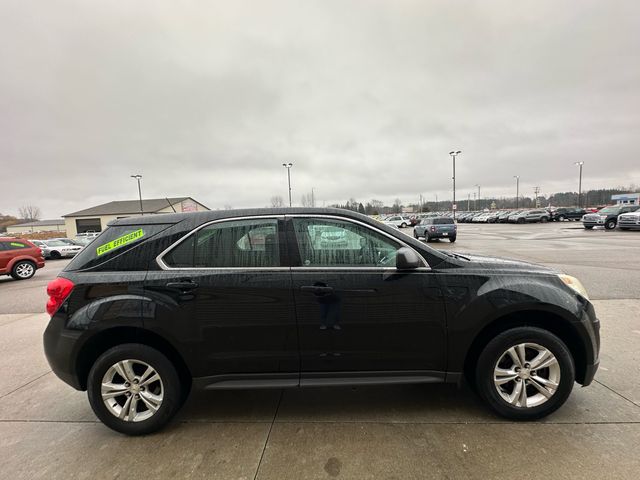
(530, 216)
(567, 213)
(69, 241)
(169, 303)
(437, 227)
(504, 217)
(19, 258)
(398, 221)
(607, 217)
(55, 249)
(629, 220)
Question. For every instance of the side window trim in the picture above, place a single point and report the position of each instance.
(284, 260)
(296, 259)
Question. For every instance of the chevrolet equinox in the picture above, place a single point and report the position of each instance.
(160, 304)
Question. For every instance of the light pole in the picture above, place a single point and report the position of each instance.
(579, 184)
(454, 154)
(517, 177)
(476, 185)
(288, 167)
(138, 177)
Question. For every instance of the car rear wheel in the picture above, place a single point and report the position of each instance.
(521, 220)
(561, 218)
(610, 225)
(403, 225)
(525, 373)
(55, 255)
(134, 389)
(452, 239)
(23, 270)
(544, 219)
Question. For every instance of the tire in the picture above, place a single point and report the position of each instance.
(589, 227)
(403, 225)
(168, 387)
(495, 355)
(55, 255)
(610, 224)
(23, 270)
(544, 219)
(521, 220)
(427, 239)
(561, 218)
(452, 239)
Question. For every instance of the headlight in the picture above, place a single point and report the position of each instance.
(575, 284)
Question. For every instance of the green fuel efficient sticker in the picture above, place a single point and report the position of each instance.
(120, 242)
(16, 244)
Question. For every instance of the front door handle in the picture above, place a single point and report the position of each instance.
(317, 289)
(184, 286)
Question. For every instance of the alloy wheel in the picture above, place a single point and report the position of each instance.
(132, 390)
(24, 270)
(526, 375)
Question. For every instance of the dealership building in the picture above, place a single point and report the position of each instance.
(95, 219)
(627, 199)
(56, 225)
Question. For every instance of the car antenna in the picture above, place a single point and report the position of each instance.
(170, 204)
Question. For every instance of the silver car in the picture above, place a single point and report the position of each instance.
(55, 249)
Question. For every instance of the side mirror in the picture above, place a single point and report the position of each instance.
(407, 259)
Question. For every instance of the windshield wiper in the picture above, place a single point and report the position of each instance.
(457, 255)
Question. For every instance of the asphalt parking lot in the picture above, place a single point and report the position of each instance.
(47, 430)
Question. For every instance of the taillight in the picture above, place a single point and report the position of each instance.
(58, 291)
(433, 229)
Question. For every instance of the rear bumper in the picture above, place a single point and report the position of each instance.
(60, 349)
(590, 373)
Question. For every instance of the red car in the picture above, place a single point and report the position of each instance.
(19, 258)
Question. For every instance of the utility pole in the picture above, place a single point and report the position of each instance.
(138, 177)
(288, 167)
(454, 154)
(475, 201)
(517, 177)
(579, 184)
(536, 191)
(313, 197)
(468, 201)
(479, 198)
(436, 202)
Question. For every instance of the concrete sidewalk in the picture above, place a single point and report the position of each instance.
(47, 430)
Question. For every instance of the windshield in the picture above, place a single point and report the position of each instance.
(56, 243)
(610, 210)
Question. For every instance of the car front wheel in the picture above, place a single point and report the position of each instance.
(134, 389)
(452, 239)
(525, 373)
(610, 225)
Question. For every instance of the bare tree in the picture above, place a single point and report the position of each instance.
(29, 212)
(397, 205)
(276, 201)
(227, 206)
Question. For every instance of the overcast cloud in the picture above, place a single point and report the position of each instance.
(207, 99)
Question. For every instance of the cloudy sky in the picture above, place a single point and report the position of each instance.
(366, 98)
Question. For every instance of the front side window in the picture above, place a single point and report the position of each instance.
(338, 243)
(237, 243)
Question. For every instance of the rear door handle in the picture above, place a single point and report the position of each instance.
(184, 286)
(316, 289)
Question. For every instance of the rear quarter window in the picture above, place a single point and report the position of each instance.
(114, 242)
(14, 245)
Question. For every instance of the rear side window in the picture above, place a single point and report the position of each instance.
(248, 243)
(14, 245)
(113, 242)
(442, 221)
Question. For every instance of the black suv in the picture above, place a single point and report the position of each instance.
(567, 213)
(279, 298)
